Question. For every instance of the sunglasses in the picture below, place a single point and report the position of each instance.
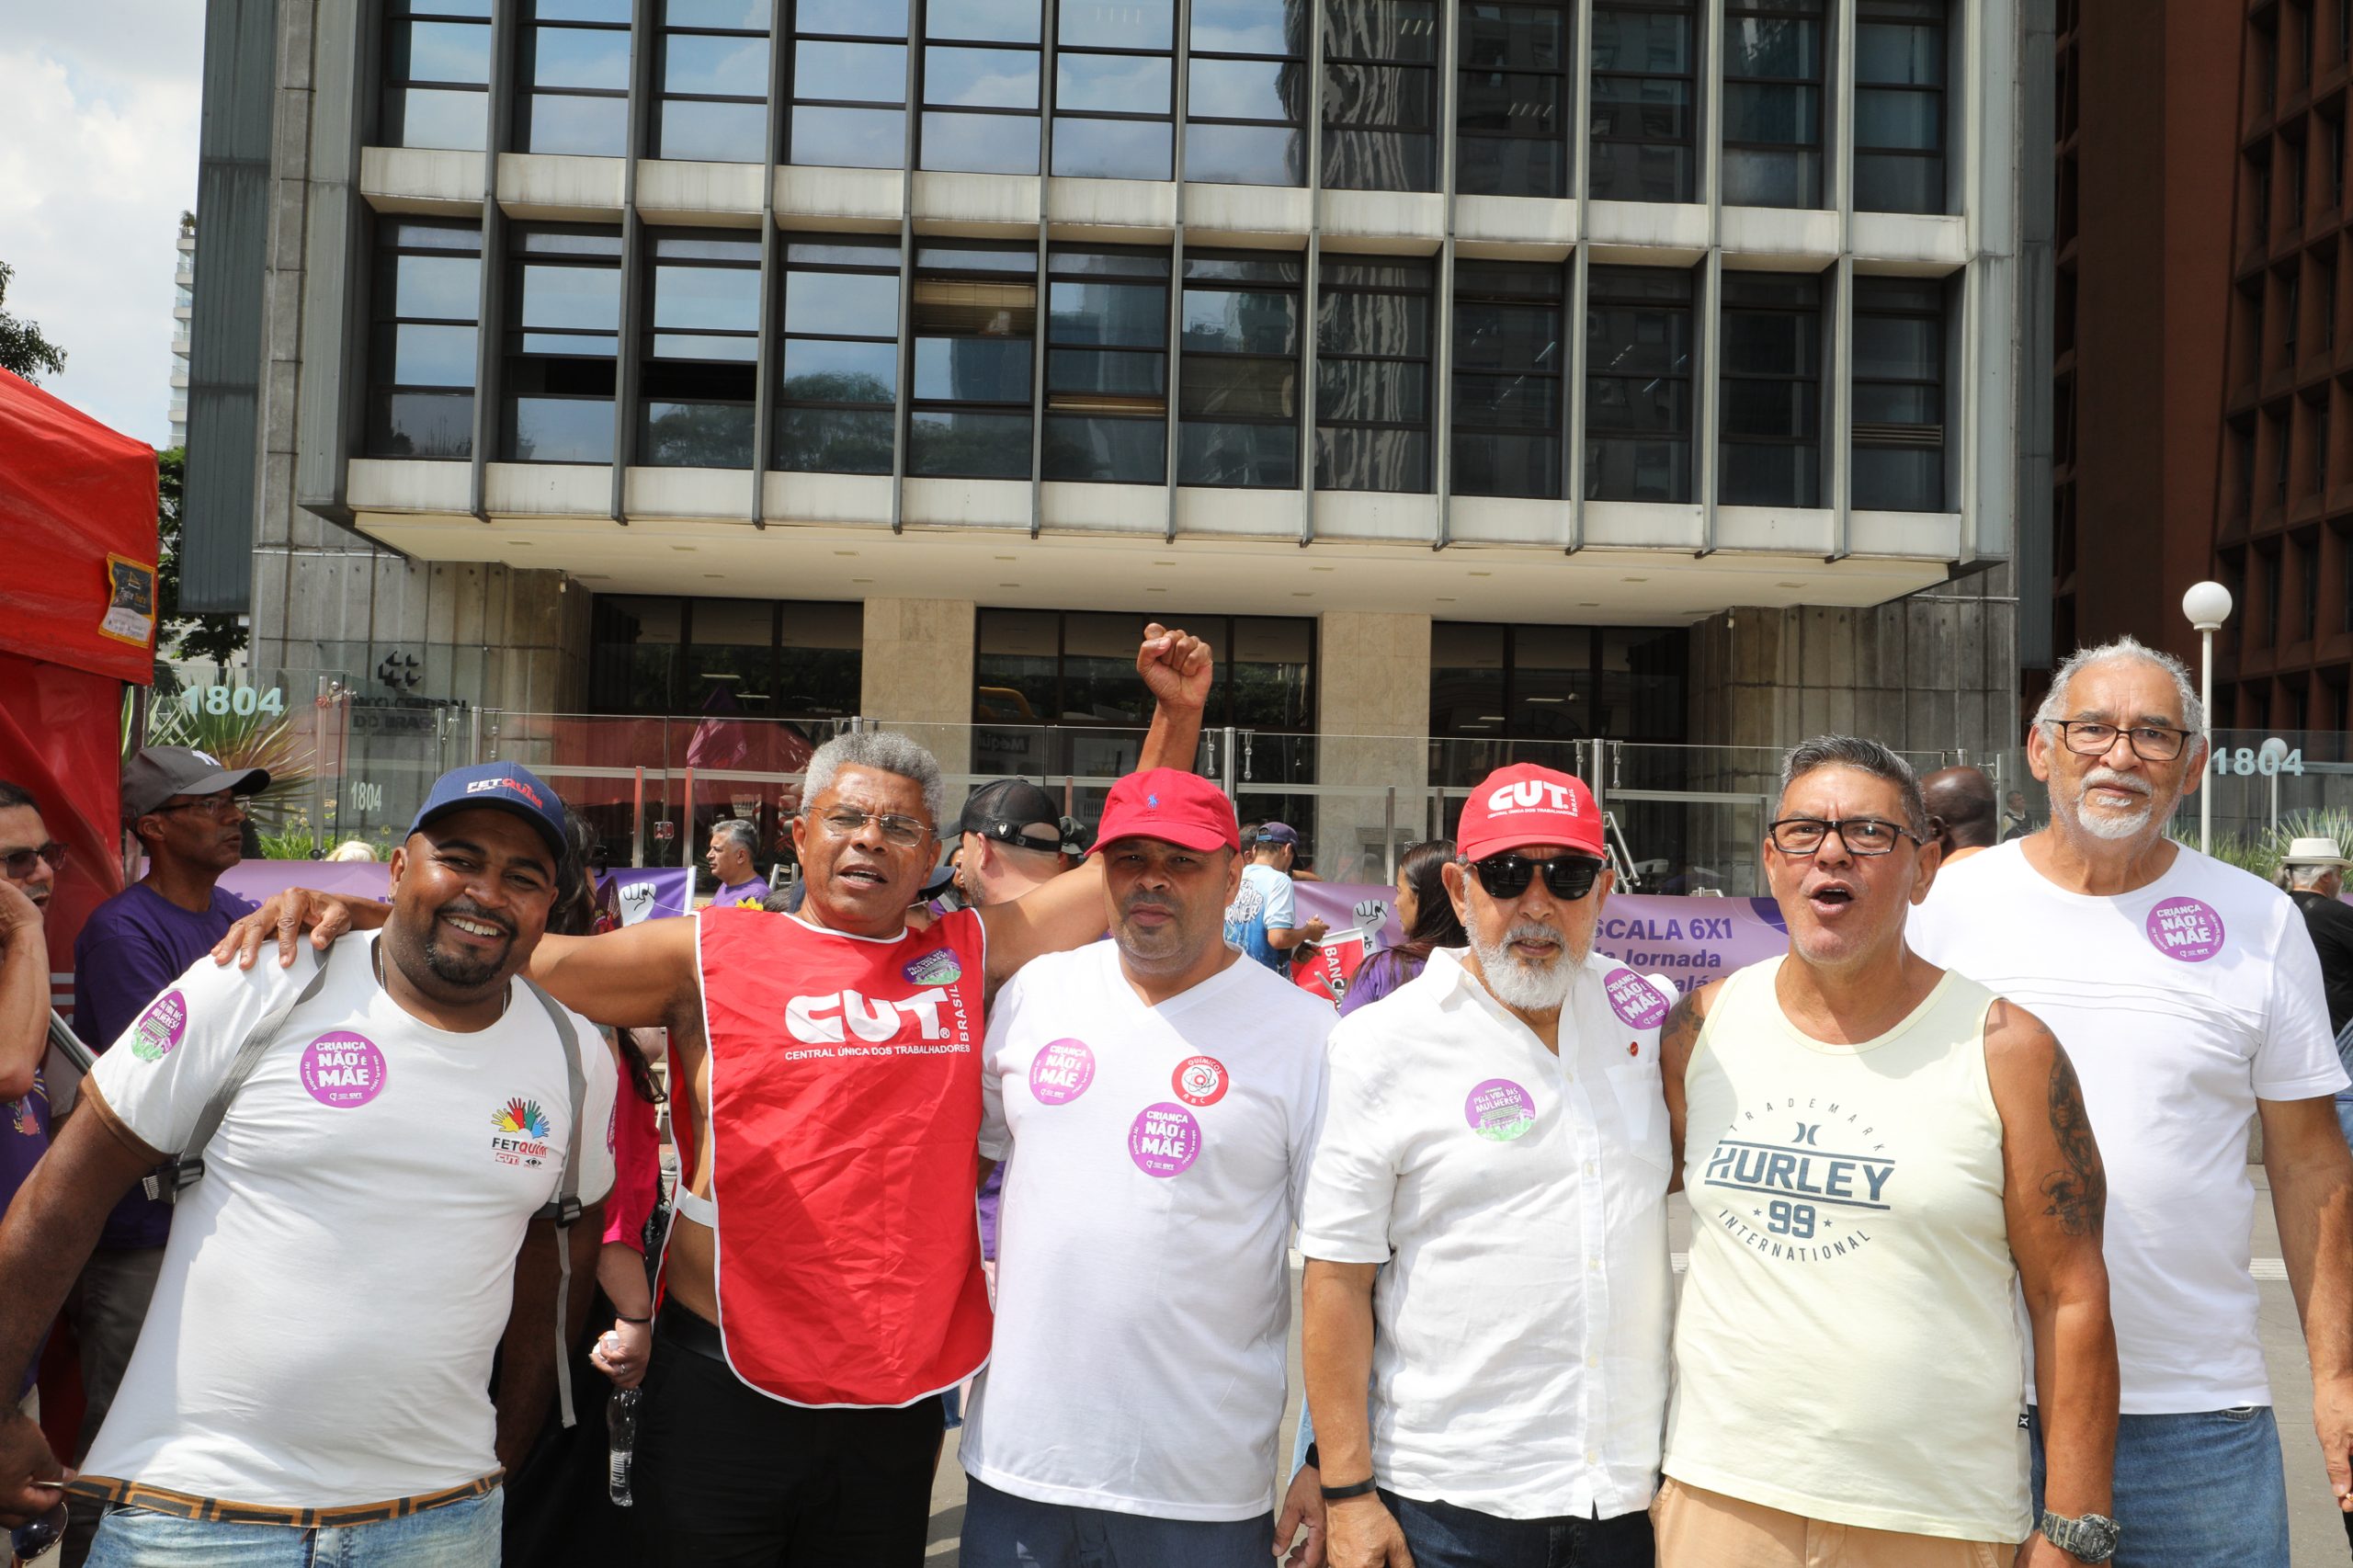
(18, 863)
(1567, 877)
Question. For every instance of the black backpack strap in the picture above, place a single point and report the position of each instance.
(565, 1208)
(186, 1168)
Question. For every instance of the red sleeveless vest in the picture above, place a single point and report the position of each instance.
(845, 1121)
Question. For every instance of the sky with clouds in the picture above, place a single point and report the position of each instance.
(99, 106)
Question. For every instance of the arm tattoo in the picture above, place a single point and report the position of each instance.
(2079, 1194)
(1681, 1034)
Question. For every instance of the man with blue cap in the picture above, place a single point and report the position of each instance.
(361, 1144)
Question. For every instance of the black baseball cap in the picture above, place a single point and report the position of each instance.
(1015, 811)
(157, 773)
(503, 786)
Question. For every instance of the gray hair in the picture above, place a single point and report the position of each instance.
(2307, 876)
(2054, 705)
(1867, 756)
(742, 834)
(884, 752)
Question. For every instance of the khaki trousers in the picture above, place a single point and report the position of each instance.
(1706, 1530)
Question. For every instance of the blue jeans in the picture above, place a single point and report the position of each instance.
(459, 1535)
(1005, 1531)
(1441, 1535)
(2344, 1096)
(2201, 1490)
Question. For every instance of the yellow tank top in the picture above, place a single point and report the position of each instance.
(1847, 1346)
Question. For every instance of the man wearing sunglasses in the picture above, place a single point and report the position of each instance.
(1495, 1138)
(1881, 1156)
(2190, 996)
(30, 861)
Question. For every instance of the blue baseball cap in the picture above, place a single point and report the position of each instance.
(506, 785)
(1276, 833)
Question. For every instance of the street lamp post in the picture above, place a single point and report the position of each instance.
(2273, 753)
(2207, 604)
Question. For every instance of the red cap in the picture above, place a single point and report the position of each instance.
(1172, 805)
(1525, 804)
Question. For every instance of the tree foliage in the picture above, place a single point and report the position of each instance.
(22, 348)
(214, 636)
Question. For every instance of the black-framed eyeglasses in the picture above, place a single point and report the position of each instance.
(1566, 877)
(2150, 742)
(1862, 835)
(18, 863)
(844, 821)
(219, 805)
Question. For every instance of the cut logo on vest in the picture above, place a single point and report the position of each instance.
(1500, 1111)
(1060, 1074)
(1200, 1080)
(1806, 1196)
(936, 968)
(1165, 1140)
(343, 1070)
(520, 1133)
(847, 1023)
(2186, 928)
(162, 1026)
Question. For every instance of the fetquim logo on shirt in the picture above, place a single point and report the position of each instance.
(520, 1133)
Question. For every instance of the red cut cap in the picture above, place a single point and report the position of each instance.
(1525, 804)
(1173, 806)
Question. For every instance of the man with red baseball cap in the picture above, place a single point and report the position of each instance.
(1164, 1095)
(1495, 1135)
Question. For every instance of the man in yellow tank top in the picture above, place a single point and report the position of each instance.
(1878, 1152)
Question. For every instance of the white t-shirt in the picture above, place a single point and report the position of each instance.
(1519, 1358)
(2181, 1004)
(322, 1330)
(1144, 1285)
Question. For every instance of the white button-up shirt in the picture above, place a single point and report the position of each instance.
(1519, 1366)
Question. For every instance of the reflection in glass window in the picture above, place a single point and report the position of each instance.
(711, 82)
(1512, 100)
(422, 345)
(1899, 359)
(1773, 91)
(572, 66)
(1521, 684)
(980, 86)
(1771, 453)
(564, 312)
(1900, 106)
(1380, 95)
(849, 84)
(702, 340)
(1638, 358)
(436, 75)
(1245, 92)
(1510, 366)
(788, 660)
(1107, 366)
(840, 374)
(975, 329)
(1078, 668)
(1237, 414)
(1373, 374)
(1114, 87)
(1645, 100)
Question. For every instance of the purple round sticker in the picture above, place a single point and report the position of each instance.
(162, 1026)
(2186, 928)
(1499, 1110)
(1634, 999)
(1060, 1074)
(1164, 1140)
(343, 1070)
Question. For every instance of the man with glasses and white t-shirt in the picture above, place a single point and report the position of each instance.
(1495, 1135)
(2188, 996)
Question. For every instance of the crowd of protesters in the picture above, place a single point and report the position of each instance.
(1968, 1280)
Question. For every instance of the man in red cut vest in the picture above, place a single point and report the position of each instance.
(823, 1279)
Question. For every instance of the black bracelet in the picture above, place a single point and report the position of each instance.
(1341, 1494)
(624, 1317)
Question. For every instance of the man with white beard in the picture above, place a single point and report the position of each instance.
(2188, 996)
(1495, 1136)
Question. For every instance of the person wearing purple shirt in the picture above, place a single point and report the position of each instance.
(1423, 914)
(28, 863)
(733, 842)
(189, 812)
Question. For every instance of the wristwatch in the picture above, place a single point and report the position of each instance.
(2091, 1538)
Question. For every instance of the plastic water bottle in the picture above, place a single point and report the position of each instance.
(620, 1420)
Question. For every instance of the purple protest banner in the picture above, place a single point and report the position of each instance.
(648, 892)
(261, 880)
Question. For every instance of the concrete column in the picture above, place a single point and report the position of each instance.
(1372, 685)
(915, 674)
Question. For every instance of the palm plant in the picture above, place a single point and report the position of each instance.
(240, 740)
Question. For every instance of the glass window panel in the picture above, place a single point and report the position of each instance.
(427, 117)
(1119, 375)
(581, 10)
(1524, 403)
(588, 128)
(1628, 340)
(1122, 84)
(972, 370)
(1131, 315)
(1380, 30)
(445, 287)
(872, 72)
(1381, 390)
(432, 356)
(1245, 89)
(1380, 160)
(1120, 451)
(1893, 117)
(1501, 101)
(834, 440)
(1629, 403)
(1487, 463)
(1261, 266)
(1638, 470)
(577, 57)
(587, 297)
(696, 434)
(848, 302)
(569, 241)
(981, 78)
(1517, 166)
(1354, 458)
(816, 370)
(1772, 46)
(422, 425)
(1251, 456)
(562, 429)
(732, 67)
(1372, 324)
(996, 21)
(710, 132)
(457, 8)
(1898, 479)
(439, 52)
(1241, 320)
(1629, 171)
(852, 18)
(1385, 97)
(1507, 336)
(1117, 24)
(724, 297)
(1896, 54)
(1771, 344)
(1467, 667)
(1642, 40)
(980, 143)
(1753, 475)
(849, 138)
(1771, 113)
(1111, 149)
(1779, 410)
(1217, 387)
(1885, 403)
(1245, 154)
(593, 345)
(1250, 27)
(1108, 264)
(752, 15)
(689, 346)
(1755, 178)
(1896, 182)
(1502, 36)
(958, 444)
(1894, 346)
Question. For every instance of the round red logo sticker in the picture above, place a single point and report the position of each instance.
(1200, 1080)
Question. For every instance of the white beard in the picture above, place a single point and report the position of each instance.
(1528, 987)
(2108, 825)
